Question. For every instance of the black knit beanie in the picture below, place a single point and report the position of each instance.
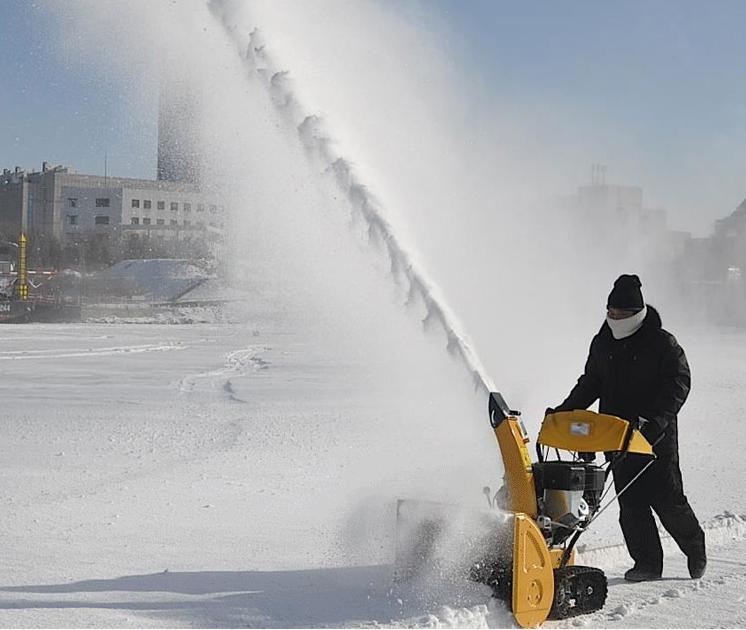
(626, 293)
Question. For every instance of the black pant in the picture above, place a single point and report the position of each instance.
(660, 487)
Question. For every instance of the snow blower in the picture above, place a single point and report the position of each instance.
(522, 547)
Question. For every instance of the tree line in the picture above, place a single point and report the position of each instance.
(91, 252)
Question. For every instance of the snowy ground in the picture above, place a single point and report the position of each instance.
(224, 474)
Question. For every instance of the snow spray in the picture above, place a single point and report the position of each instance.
(398, 424)
(318, 144)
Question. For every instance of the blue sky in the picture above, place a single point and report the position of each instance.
(656, 91)
(659, 88)
(671, 70)
(60, 114)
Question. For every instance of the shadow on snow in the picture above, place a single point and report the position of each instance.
(302, 598)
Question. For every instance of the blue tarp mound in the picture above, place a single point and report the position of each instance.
(154, 280)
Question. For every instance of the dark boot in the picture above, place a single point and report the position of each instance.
(642, 574)
(697, 563)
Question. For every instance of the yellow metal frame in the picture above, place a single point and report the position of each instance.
(519, 476)
(583, 430)
(556, 554)
(533, 561)
(533, 574)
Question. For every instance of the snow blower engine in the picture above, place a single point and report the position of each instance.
(550, 502)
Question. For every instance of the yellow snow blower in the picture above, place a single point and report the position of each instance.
(544, 506)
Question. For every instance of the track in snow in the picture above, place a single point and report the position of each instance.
(237, 363)
(46, 354)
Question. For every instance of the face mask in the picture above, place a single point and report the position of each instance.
(622, 328)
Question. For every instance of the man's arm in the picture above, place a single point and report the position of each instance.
(588, 388)
(675, 385)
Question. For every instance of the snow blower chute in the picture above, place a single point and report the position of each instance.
(523, 546)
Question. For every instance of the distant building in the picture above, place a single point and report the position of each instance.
(714, 268)
(734, 225)
(171, 215)
(57, 202)
(720, 257)
(614, 219)
(704, 276)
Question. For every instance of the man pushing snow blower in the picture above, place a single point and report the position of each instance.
(638, 371)
(523, 546)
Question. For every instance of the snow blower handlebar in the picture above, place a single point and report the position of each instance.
(586, 431)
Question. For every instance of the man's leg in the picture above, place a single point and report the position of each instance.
(636, 517)
(677, 516)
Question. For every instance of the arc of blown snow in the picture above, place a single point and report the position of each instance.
(315, 140)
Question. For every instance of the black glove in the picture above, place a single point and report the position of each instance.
(650, 429)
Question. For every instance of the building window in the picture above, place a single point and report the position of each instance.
(135, 203)
(161, 222)
(174, 222)
(200, 207)
(213, 209)
(102, 202)
(161, 205)
(146, 203)
(187, 223)
(146, 220)
(135, 221)
(187, 207)
(200, 224)
(174, 206)
(72, 219)
(221, 209)
(102, 219)
(72, 202)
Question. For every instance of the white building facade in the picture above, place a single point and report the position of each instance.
(60, 203)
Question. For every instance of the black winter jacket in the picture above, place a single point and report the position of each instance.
(645, 374)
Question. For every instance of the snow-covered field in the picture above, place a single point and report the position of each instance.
(187, 470)
(242, 473)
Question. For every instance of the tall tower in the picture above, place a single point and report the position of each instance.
(179, 157)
